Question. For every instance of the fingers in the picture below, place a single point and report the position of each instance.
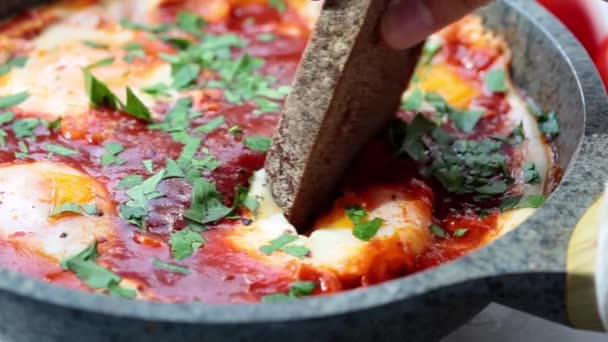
(408, 22)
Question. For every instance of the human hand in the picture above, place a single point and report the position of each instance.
(408, 22)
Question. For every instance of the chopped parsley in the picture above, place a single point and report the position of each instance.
(136, 108)
(67, 207)
(281, 243)
(190, 22)
(466, 120)
(135, 209)
(257, 143)
(185, 75)
(24, 151)
(99, 94)
(429, 50)
(111, 156)
(206, 204)
(129, 24)
(25, 127)
(212, 125)
(15, 62)
(438, 231)
(243, 198)
(130, 181)
(86, 269)
(495, 81)
(460, 232)
(279, 5)
(519, 202)
(184, 242)
(13, 100)
(413, 101)
(148, 165)
(297, 289)
(530, 174)
(60, 150)
(173, 170)
(100, 63)
(170, 267)
(363, 229)
(234, 130)
(95, 45)
(266, 37)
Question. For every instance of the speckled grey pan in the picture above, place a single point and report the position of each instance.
(525, 269)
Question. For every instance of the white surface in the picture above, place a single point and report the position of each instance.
(498, 323)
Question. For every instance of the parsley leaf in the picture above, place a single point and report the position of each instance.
(495, 81)
(429, 50)
(61, 150)
(173, 170)
(185, 75)
(100, 63)
(170, 267)
(190, 22)
(279, 5)
(297, 289)
(95, 45)
(148, 165)
(136, 209)
(25, 153)
(184, 242)
(257, 143)
(84, 266)
(265, 37)
(363, 230)
(136, 108)
(466, 120)
(297, 251)
(13, 100)
(67, 207)
(531, 176)
(130, 181)
(25, 127)
(15, 62)
(277, 243)
(460, 232)
(99, 94)
(519, 202)
(212, 125)
(413, 101)
(129, 24)
(549, 124)
(438, 231)
(111, 156)
(206, 204)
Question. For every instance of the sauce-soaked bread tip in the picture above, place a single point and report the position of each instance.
(348, 85)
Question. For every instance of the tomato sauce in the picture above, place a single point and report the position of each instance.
(220, 272)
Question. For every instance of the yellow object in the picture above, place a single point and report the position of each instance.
(581, 297)
(444, 80)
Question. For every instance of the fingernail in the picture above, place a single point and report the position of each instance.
(406, 23)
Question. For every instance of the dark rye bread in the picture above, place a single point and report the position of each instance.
(348, 86)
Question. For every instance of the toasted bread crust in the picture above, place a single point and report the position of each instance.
(348, 85)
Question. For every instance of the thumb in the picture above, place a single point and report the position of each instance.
(408, 22)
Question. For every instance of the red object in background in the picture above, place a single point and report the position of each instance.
(601, 61)
(574, 14)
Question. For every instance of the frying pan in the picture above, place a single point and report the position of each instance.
(547, 266)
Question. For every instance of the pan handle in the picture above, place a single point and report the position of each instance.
(587, 269)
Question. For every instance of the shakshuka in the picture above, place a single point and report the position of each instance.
(133, 136)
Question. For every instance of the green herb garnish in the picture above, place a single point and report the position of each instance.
(184, 242)
(363, 229)
(84, 266)
(170, 267)
(257, 143)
